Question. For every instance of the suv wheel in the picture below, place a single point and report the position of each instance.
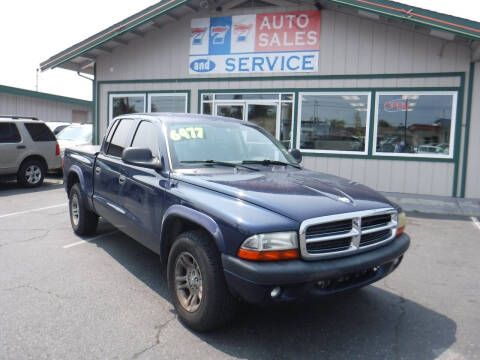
(83, 222)
(197, 284)
(31, 173)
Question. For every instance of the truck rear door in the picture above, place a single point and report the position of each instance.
(108, 174)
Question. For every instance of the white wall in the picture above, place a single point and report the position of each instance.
(46, 110)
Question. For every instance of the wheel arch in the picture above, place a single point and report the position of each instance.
(35, 157)
(178, 219)
(74, 176)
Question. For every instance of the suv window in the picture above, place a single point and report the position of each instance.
(120, 138)
(9, 133)
(40, 132)
(146, 137)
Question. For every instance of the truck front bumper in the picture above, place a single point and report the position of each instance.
(302, 280)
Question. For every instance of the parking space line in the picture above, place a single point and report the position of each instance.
(89, 240)
(33, 210)
(476, 222)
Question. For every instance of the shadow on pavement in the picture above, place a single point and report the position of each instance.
(369, 323)
(10, 188)
(420, 215)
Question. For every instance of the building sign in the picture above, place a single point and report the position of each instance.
(260, 43)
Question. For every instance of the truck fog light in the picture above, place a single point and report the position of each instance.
(276, 292)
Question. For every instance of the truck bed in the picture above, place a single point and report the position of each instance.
(91, 150)
(81, 161)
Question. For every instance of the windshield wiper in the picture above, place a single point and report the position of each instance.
(267, 162)
(221, 163)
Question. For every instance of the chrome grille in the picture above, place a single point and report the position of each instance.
(345, 234)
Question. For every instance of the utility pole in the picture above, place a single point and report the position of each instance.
(36, 81)
(405, 129)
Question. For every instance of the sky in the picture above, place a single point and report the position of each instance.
(32, 31)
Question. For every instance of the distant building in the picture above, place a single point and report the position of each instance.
(46, 107)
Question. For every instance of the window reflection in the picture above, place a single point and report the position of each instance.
(168, 103)
(414, 123)
(127, 105)
(334, 122)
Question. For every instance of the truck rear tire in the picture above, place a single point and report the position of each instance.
(197, 284)
(84, 222)
(31, 173)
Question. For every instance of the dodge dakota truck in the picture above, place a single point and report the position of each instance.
(231, 213)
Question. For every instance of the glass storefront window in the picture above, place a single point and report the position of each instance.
(286, 113)
(415, 124)
(272, 111)
(126, 104)
(334, 122)
(207, 108)
(167, 103)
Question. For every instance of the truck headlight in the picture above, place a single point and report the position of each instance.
(270, 247)
(401, 222)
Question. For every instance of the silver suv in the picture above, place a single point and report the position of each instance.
(28, 150)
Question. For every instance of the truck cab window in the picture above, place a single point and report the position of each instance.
(120, 139)
(146, 137)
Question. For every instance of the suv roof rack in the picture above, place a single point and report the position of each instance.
(18, 117)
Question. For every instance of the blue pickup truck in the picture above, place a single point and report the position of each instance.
(231, 213)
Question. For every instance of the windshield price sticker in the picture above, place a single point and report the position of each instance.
(189, 133)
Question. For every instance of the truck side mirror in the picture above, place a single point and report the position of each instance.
(297, 155)
(141, 157)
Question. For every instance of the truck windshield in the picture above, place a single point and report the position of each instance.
(203, 143)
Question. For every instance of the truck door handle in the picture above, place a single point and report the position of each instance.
(21, 147)
(121, 179)
(98, 170)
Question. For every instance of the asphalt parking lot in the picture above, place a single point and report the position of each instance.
(63, 297)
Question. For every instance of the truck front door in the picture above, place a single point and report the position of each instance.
(143, 193)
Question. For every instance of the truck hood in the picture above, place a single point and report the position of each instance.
(297, 194)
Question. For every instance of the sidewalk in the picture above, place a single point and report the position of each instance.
(436, 204)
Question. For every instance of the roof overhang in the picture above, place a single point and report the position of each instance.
(44, 96)
(82, 56)
(129, 25)
(430, 19)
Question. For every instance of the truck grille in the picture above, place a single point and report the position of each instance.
(345, 234)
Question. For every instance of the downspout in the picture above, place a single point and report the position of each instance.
(471, 78)
(475, 58)
(94, 102)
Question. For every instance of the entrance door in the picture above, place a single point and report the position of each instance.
(264, 115)
(230, 110)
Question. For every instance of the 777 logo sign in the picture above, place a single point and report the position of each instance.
(218, 34)
(197, 35)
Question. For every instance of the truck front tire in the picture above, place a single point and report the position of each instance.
(84, 222)
(197, 284)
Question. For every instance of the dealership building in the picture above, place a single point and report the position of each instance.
(377, 91)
